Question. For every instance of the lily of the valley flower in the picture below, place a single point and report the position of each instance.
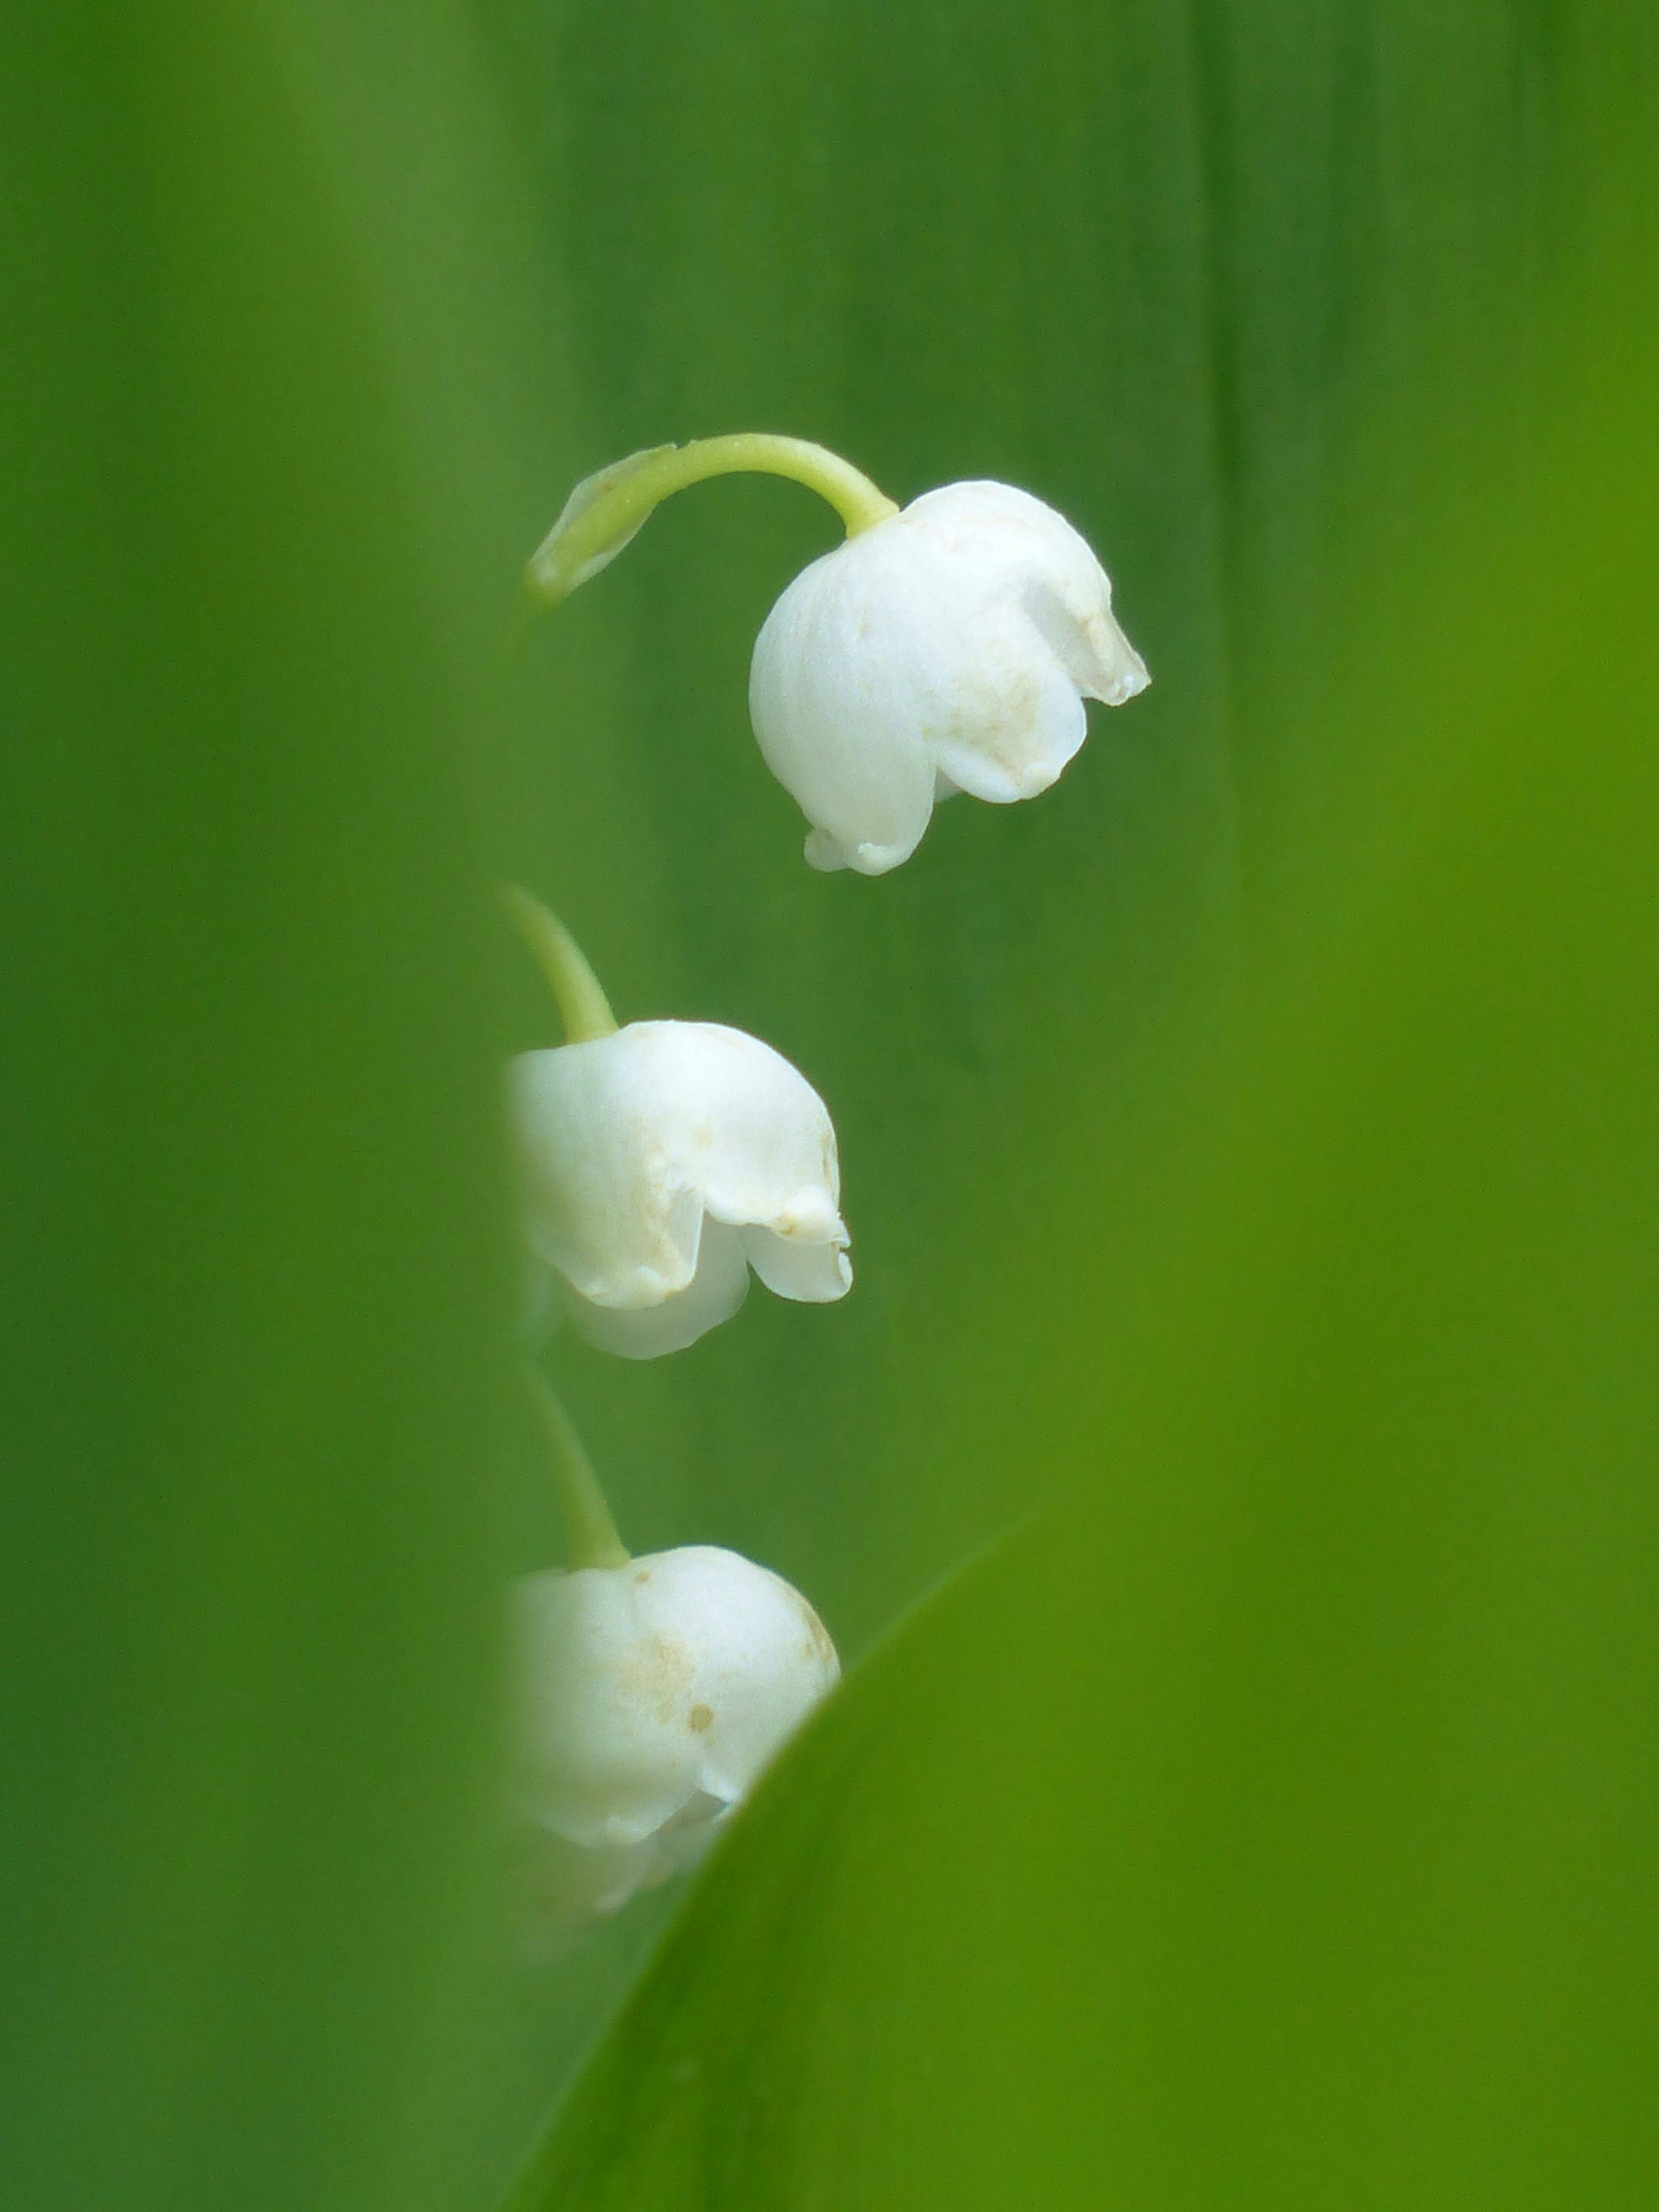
(659, 1165)
(649, 1696)
(947, 648)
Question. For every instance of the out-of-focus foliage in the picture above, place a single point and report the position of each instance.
(1265, 1824)
(251, 1226)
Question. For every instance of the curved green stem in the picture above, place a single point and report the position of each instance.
(591, 1533)
(605, 510)
(583, 1008)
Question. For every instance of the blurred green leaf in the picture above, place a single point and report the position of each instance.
(255, 1272)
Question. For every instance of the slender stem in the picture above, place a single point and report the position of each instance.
(591, 1533)
(605, 510)
(583, 1008)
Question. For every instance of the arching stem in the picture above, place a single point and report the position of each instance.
(583, 1008)
(591, 1533)
(605, 510)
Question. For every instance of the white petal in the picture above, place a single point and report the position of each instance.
(834, 689)
(1038, 614)
(713, 1295)
(822, 853)
(603, 1203)
(816, 1273)
(602, 1755)
(993, 756)
(740, 1122)
(761, 1658)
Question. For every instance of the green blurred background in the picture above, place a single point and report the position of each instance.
(1248, 1148)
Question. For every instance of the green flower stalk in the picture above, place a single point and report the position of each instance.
(591, 1537)
(607, 509)
(583, 1008)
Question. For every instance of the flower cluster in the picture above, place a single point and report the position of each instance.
(947, 646)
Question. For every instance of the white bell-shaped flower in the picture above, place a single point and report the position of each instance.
(662, 1161)
(648, 1698)
(947, 647)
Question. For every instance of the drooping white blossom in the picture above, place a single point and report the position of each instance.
(948, 648)
(660, 1164)
(647, 1699)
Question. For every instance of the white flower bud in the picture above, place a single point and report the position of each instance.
(661, 1163)
(649, 1696)
(948, 648)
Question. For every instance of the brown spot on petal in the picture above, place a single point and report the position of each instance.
(655, 1671)
(700, 1717)
(643, 1576)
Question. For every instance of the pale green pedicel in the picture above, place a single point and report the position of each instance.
(606, 509)
(590, 1533)
(583, 1008)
